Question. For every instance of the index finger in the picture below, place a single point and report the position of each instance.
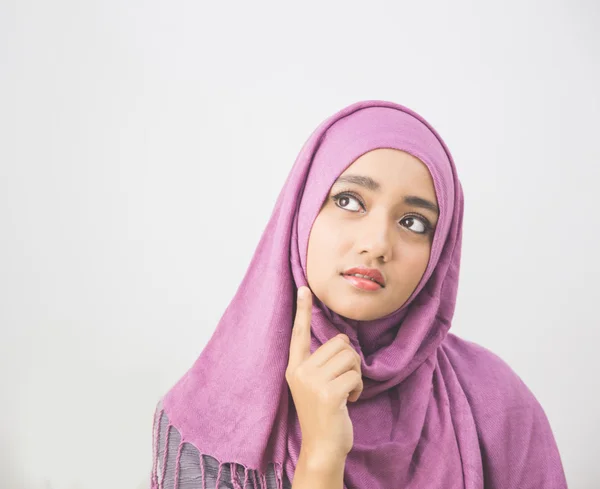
(300, 343)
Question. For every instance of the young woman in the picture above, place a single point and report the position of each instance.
(358, 384)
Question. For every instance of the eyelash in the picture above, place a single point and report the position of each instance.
(349, 193)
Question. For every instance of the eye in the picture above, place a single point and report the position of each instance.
(345, 199)
(349, 201)
(421, 225)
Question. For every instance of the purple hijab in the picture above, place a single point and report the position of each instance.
(436, 411)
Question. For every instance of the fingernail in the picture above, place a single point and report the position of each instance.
(301, 293)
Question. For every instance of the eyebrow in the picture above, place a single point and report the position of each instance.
(371, 184)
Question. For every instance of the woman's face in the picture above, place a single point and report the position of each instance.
(375, 216)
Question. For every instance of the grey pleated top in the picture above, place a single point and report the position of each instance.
(195, 472)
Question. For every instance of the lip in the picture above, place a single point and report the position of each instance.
(369, 272)
(362, 283)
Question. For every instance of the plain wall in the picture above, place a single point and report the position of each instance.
(143, 147)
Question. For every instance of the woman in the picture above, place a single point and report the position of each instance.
(369, 221)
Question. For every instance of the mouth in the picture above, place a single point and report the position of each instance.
(369, 278)
(362, 283)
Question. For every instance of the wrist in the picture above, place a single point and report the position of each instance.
(322, 461)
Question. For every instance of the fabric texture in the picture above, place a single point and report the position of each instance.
(193, 471)
(436, 411)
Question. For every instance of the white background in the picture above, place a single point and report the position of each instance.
(143, 145)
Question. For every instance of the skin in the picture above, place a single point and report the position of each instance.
(387, 234)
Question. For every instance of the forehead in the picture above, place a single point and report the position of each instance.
(393, 170)
(380, 158)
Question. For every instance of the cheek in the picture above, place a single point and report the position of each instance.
(315, 249)
(412, 262)
(326, 245)
(318, 242)
(420, 261)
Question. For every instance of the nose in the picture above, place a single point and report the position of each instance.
(376, 237)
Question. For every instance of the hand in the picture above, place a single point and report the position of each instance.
(321, 384)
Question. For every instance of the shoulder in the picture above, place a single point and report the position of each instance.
(516, 440)
(487, 380)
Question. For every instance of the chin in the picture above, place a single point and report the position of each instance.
(352, 308)
(360, 317)
(359, 307)
(350, 304)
